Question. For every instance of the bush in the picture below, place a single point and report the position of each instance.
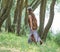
(57, 39)
(49, 36)
(24, 30)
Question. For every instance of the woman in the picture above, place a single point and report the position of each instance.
(33, 27)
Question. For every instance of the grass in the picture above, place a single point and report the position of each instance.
(11, 43)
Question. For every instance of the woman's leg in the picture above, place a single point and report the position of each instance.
(36, 36)
(29, 38)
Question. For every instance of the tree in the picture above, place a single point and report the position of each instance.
(5, 9)
(8, 24)
(20, 4)
(43, 31)
(26, 5)
(35, 4)
(42, 16)
(15, 15)
(51, 17)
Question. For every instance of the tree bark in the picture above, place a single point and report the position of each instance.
(6, 7)
(15, 15)
(8, 24)
(36, 4)
(26, 19)
(19, 16)
(32, 2)
(50, 20)
(42, 16)
(16, 12)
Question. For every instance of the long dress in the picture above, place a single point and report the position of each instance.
(35, 34)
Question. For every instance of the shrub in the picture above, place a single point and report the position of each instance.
(49, 36)
(57, 39)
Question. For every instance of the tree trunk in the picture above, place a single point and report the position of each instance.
(42, 16)
(32, 3)
(36, 4)
(0, 4)
(15, 15)
(16, 12)
(26, 19)
(50, 20)
(5, 9)
(29, 4)
(19, 16)
(8, 24)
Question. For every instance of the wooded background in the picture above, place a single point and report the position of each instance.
(14, 17)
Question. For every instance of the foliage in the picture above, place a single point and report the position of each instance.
(24, 30)
(57, 39)
(58, 1)
(49, 36)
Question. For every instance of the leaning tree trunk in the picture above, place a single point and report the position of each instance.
(26, 19)
(36, 4)
(50, 20)
(5, 9)
(42, 16)
(19, 16)
(32, 2)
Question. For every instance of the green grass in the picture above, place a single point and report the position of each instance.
(11, 43)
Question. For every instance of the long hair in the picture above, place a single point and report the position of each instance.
(31, 12)
(34, 21)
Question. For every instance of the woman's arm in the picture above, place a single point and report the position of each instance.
(30, 21)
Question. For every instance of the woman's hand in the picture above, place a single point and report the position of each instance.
(31, 29)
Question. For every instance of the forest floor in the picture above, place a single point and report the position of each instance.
(9, 42)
